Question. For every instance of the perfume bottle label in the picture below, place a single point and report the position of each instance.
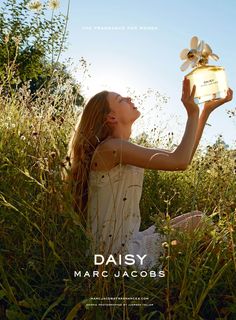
(210, 83)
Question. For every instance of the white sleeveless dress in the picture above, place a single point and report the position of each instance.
(114, 216)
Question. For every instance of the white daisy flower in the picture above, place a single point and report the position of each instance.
(23, 137)
(35, 5)
(6, 38)
(6, 35)
(197, 55)
(17, 39)
(206, 53)
(191, 55)
(53, 4)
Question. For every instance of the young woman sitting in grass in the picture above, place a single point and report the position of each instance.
(107, 171)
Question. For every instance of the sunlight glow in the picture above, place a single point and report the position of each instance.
(106, 80)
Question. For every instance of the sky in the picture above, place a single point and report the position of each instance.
(135, 45)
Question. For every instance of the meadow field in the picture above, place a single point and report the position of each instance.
(43, 242)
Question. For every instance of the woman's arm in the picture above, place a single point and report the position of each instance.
(201, 124)
(125, 152)
(122, 151)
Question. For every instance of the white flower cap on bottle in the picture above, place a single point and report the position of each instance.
(197, 55)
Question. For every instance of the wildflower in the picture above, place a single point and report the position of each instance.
(6, 38)
(54, 4)
(17, 39)
(53, 154)
(165, 245)
(23, 137)
(35, 5)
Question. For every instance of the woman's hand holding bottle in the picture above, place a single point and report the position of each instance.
(209, 106)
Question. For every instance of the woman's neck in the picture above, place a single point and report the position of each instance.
(121, 134)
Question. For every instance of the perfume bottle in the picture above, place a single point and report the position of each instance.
(210, 81)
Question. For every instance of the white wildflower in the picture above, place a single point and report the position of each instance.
(17, 39)
(35, 5)
(6, 38)
(53, 4)
(174, 242)
(165, 244)
(6, 35)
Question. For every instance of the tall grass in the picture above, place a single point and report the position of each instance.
(42, 242)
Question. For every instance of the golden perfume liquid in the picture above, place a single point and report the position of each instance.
(210, 81)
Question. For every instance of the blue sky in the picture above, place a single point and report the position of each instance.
(142, 59)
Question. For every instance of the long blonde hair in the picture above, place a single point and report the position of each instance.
(90, 130)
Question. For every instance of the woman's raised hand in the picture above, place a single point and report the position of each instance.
(209, 106)
(188, 98)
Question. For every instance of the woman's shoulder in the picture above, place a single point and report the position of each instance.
(104, 157)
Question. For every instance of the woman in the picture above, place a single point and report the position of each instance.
(107, 173)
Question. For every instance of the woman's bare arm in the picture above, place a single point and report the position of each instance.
(125, 152)
(117, 150)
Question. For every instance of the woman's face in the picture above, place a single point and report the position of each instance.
(122, 109)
